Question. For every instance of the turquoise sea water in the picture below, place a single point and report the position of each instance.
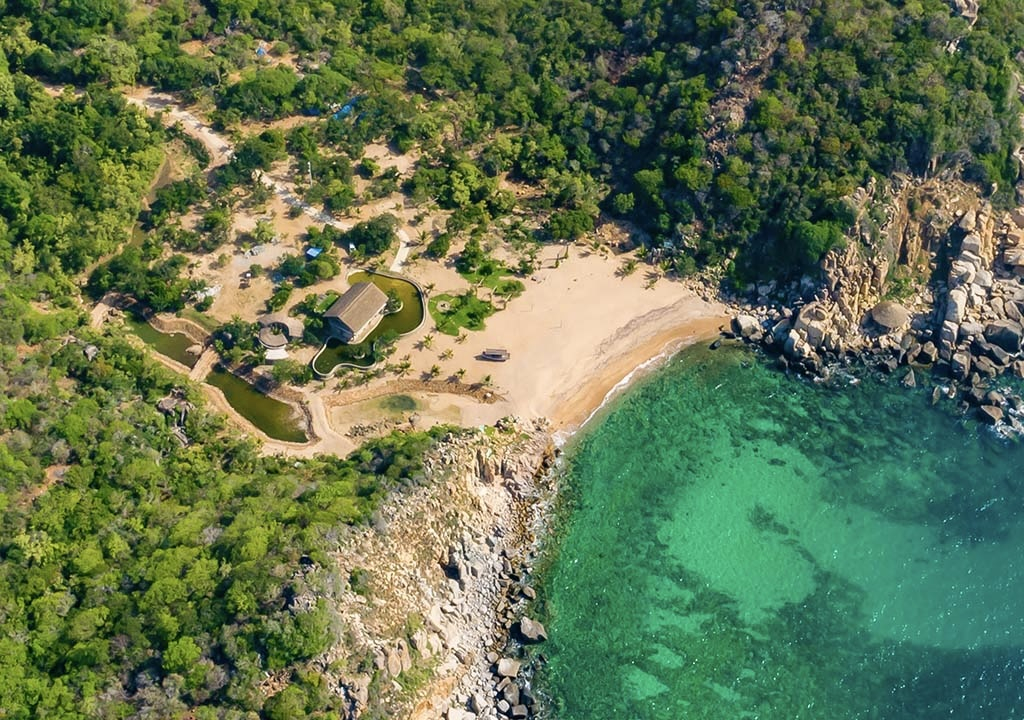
(739, 544)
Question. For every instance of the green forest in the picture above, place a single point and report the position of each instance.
(142, 576)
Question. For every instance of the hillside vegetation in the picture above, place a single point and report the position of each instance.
(721, 128)
(141, 577)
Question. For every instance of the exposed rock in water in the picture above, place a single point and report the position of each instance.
(531, 631)
(960, 365)
(1006, 334)
(745, 326)
(508, 667)
(909, 380)
(990, 414)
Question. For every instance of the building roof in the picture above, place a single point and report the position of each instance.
(313, 252)
(358, 305)
(293, 326)
(270, 338)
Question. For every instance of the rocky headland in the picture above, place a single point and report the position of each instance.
(933, 284)
(438, 584)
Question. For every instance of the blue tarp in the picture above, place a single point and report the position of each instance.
(313, 252)
(345, 110)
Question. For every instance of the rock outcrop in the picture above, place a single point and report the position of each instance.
(436, 582)
(968, 324)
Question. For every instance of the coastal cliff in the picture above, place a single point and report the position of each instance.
(436, 583)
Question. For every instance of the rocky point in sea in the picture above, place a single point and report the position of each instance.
(439, 584)
(966, 330)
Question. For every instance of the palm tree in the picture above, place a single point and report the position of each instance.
(460, 373)
(435, 370)
(447, 354)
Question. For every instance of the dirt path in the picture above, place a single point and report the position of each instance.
(221, 150)
(219, 147)
(403, 251)
(101, 312)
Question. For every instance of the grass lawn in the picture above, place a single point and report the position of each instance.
(329, 297)
(500, 281)
(460, 311)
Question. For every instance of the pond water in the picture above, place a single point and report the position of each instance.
(173, 345)
(405, 320)
(277, 419)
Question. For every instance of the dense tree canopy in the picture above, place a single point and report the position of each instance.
(714, 127)
(140, 576)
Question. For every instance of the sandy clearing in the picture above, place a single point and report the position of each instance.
(573, 335)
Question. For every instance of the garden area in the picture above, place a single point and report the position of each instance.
(452, 312)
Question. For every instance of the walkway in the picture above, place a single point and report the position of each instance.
(403, 251)
(204, 364)
(218, 146)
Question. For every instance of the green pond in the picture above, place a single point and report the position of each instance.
(173, 345)
(277, 419)
(405, 320)
(735, 543)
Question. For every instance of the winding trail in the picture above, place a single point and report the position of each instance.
(221, 150)
(219, 147)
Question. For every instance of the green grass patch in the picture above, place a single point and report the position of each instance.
(500, 281)
(398, 404)
(326, 301)
(452, 312)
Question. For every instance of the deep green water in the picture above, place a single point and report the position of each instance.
(173, 345)
(277, 419)
(738, 544)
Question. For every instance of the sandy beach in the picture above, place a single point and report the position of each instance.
(574, 334)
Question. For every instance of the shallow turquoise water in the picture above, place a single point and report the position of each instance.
(738, 544)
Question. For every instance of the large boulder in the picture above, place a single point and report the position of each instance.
(971, 244)
(983, 366)
(960, 365)
(969, 331)
(961, 272)
(745, 326)
(947, 339)
(890, 315)
(813, 323)
(984, 279)
(1007, 334)
(1014, 257)
(928, 353)
(507, 667)
(531, 631)
(956, 307)
(990, 414)
(990, 350)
